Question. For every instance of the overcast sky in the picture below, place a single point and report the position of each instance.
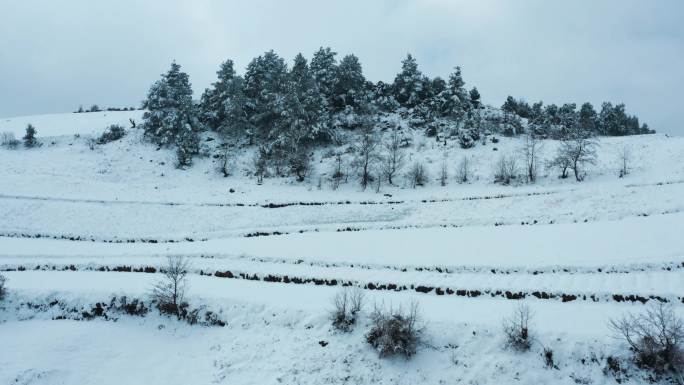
(56, 55)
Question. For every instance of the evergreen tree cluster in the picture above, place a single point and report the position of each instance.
(552, 121)
(287, 109)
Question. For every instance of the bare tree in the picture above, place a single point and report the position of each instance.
(655, 337)
(576, 150)
(393, 160)
(531, 151)
(463, 172)
(443, 173)
(517, 329)
(366, 156)
(347, 304)
(169, 293)
(417, 175)
(624, 159)
(260, 161)
(337, 173)
(224, 158)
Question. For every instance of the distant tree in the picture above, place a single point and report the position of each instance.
(409, 84)
(458, 99)
(94, 108)
(223, 107)
(417, 175)
(575, 151)
(30, 137)
(3, 290)
(366, 155)
(349, 87)
(324, 70)
(624, 160)
(588, 118)
(265, 88)
(475, 97)
(171, 117)
(444, 173)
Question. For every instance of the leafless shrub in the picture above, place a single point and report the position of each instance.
(506, 170)
(366, 156)
(517, 329)
(443, 173)
(7, 139)
(260, 164)
(347, 304)
(463, 173)
(169, 292)
(224, 160)
(395, 331)
(655, 337)
(417, 175)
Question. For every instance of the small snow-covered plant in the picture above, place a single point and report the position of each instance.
(443, 174)
(347, 304)
(417, 175)
(517, 329)
(395, 331)
(169, 292)
(3, 290)
(656, 338)
(111, 134)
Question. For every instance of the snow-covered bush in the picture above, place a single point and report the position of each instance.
(395, 331)
(111, 134)
(417, 175)
(467, 138)
(3, 291)
(169, 292)
(656, 338)
(347, 304)
(517, 329)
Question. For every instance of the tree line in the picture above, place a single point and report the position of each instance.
(285, 110)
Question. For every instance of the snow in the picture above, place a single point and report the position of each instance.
(51, 125)
(601, 237)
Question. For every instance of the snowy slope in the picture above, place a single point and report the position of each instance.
(71, 215)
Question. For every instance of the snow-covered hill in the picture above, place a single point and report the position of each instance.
(77, 220)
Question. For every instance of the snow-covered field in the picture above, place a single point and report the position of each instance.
(76, 223)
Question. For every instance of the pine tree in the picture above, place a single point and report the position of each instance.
(265, 88)
(171, 116)
(30, 137)
(305, 106)
(458, 100)
(409, 84)
(475, 97)
(223, 107)
(588, 118)
(324, 69)
(349, 88)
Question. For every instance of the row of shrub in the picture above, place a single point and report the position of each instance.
(655, 338)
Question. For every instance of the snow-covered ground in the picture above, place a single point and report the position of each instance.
(70, 214)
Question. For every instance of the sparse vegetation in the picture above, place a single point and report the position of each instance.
(655, 337)
(111, 134)
(169, 293)
(395, 331)
(347, 305)
(517, 329)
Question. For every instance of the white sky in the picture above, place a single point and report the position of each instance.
(56, 55)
